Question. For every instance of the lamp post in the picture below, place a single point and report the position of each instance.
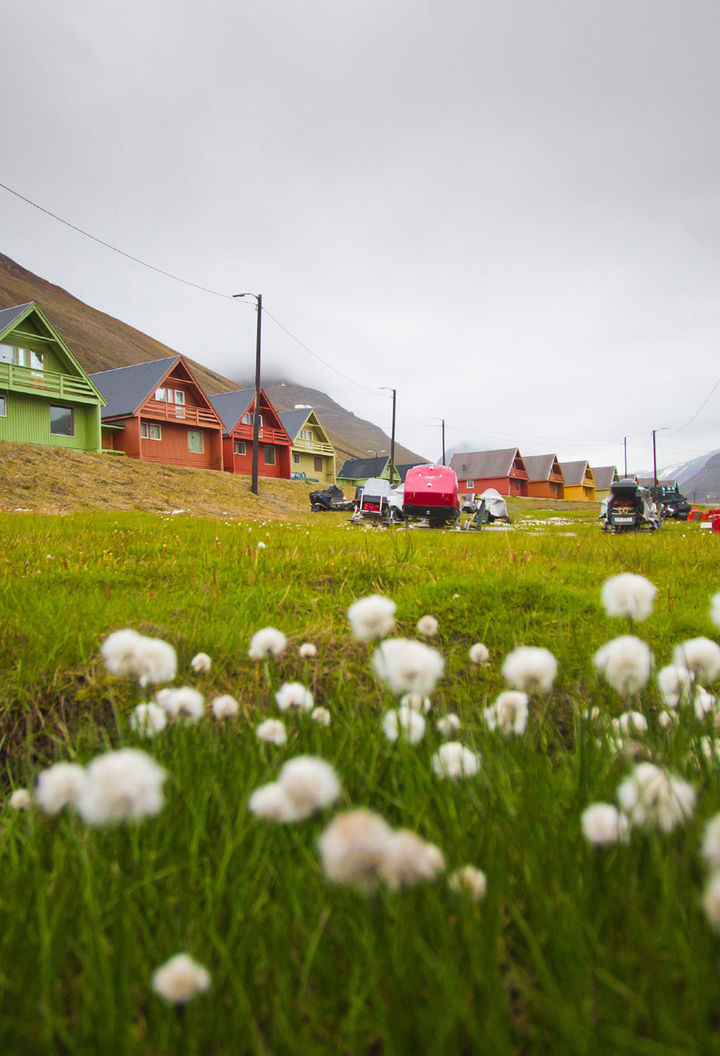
(256, 411)
(392, 433)
(625, 446)
(655, 480)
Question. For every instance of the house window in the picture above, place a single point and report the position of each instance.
(318, 464)
(151, 430)
(469, 484)
(3, 405)
(161, 395)
(308, 433)
(179, 403)
(62, 420)
(269, 454)
(247, 419)
(22, 357)
(239, 447)
(196, 441)
(296, 458)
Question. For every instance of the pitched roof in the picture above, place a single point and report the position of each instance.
(574, 472)
(10, 315)
(604, 476)
(363, 468)
(293, 421)
(483, 464)
(127, 388)
(231, 406)
(405, 466)
(539, 467)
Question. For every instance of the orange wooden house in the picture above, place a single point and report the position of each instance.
(503, 470)
(236, 411)
(157, 412)
(545, 477)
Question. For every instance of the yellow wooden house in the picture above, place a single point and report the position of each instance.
(312, 452)
(579, 481)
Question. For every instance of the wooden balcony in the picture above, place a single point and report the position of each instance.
(267, 434)
(178, 412)
(313, 447)
(46, 383)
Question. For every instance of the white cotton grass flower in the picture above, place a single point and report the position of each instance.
(180, 979)
(261, 545)
(628, 595)
(271, 803)
(675, 685)
(184, 704)
(509, 714)
(630, 722)
(652, 797)
(704, 703)
(307, 651)
(715, 609)
(699, 655)
(453, 760)
(265, 643)
(352, 848)
(148, 720)
(294, 695)
(201, 663)
(479, 654)
(710, 846)
(530, 668)
(20, 799)
(711, 900)
(321, 716)
(448, 724)
(427, 626)
(372, 617)
(467, 880)
(405, 724)
(410, 860)
(224, 706)
(125, 785)
(310, 784)
(625, 663)
(60, 786)
(272, 731)
(416, 701)
(149, 660)
(408, 667)
(667, 718)
(710, 748)
(591, 714)
(603, 824)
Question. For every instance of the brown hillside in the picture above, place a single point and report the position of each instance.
(102, 342)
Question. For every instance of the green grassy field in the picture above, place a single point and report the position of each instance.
(574, 949)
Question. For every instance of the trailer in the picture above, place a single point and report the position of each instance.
(431, 493)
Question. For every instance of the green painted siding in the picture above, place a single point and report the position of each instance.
(28, 422)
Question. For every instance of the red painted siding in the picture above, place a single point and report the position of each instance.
(504, 485)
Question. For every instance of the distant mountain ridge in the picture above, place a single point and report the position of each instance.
(698, 478)
(101, 342)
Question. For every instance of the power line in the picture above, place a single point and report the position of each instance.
(697, 412)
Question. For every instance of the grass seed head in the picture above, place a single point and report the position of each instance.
(699, 655)
(405, 724)
(125, 785)
(272, 731)
(509, 714)
(628, 595)
(530, 668)
(453, 760)
(265, 643)
(353, 847)
(180, 979)
(408, 667)
(372, 617)
(603, 824)
(61, 785)
(310, 784)
(625, 663)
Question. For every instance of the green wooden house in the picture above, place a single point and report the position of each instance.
(45, 395)
(354, 472)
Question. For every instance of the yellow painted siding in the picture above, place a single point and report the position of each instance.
(306, 465)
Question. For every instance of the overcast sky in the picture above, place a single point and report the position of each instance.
(508, 211)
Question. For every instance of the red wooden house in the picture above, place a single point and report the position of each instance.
(236, 411)
(503, 470)
(545, 477)
(157, 412)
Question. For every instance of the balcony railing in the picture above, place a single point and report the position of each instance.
(267, 435)
(179, 412)
(313, 447)
(46, 383)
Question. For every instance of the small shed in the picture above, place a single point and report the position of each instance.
(502, 469)
(237, 411)
(579, 481)
(545, 477)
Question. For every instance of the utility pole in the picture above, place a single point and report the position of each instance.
(256, 406)
(443, 440)
(392, 433)
(654, 464)
(625, 444)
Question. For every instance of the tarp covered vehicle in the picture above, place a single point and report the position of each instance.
(431, 493)
(331, 498)
(671, 503)
(488, 507)
(372, 503)
(628, 508)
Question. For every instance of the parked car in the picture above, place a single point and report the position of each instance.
(304, 476)
(628, 508)
(431, 493)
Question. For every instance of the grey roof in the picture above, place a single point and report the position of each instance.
(405, 466)
(127, 388)
(9, 315)
(483, 465)
(293, 421)
(604, 476)
(574, 472)
(231, 406)
(539, 467)
(363, 468)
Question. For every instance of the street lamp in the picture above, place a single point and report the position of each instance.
(256, 413)
(384, 388)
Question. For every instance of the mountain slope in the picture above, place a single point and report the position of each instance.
(102, 342)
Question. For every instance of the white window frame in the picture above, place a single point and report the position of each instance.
(296, 458)
(237, 444)
(3, 404)
(470, 484)
(199, 433)
(160, 394)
